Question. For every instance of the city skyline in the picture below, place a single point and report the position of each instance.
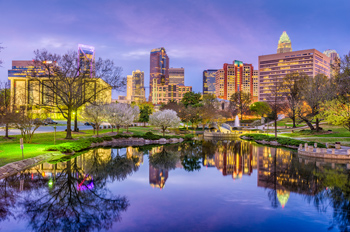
(192, 38)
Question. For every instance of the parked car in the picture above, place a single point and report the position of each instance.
(38, 121)
(89, 124)
(49, 121)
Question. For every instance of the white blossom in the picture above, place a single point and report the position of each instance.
(164, 119)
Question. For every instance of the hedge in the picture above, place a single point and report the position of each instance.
(281, 140)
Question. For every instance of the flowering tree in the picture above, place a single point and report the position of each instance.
(94, 113)
(120, 114)
(164, 119)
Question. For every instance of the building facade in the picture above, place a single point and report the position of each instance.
(27, 91)
(284, 44)
(273, 68)
(255, 85)
(166, 93)
(209, 81)
(233, 78)
(177, 76)
(135, 89)
(159, 69)
(87, 58)
(334, 61)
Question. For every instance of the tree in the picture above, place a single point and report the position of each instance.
(95, 113)
(184, 114)
(292, 86)
(146, 110)
(315, 91)
(240, 102)
(260, 108)
(121, 114)
(210, 100)
(28, 121)
(68, 85)
(164, 119)
(191, 98)
(6, 113)
(193, 115)
(276, 101)
(337, 112)
(208, 113)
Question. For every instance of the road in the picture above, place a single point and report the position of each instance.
(48, 128)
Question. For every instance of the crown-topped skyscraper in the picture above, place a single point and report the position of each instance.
(284, 44)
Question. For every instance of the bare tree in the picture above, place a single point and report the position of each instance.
(67, 85)
(121, 114)
(240, 102)
(95, 113)
(7, 115)
(315, 91)
(277, 101)
(292, 85)
(28, 121)
(0, 51)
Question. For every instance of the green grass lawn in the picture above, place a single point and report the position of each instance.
(10, 148)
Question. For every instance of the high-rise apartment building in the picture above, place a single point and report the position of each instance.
(255, 85)
(159, 69)
(135, 89)
(209, 81)
(220, 84)
(233, 78)
(273, 68)
(334, 61)
(87, 58)
(284, 44)
(176, 76)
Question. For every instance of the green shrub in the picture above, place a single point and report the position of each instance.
(149, 133)
(188, 137)
(107, 138)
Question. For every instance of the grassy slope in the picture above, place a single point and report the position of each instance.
(10, 149)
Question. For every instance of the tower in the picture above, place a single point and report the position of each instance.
(159, 70)
(334, 61)
(284, 44)
(87, 58)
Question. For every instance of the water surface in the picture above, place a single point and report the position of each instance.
(199, 186)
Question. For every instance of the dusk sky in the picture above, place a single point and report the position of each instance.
(197, 35)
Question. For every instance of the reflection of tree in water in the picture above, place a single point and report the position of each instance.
(166, 158)
(336, 193)
(7, 199)
(78, 199)
(191, 154)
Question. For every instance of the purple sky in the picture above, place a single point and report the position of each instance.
(197, 35)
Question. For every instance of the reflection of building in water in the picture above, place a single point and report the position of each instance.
(157, 177)
(278, 171)
(84, 162)
(232, 158)
(134, 151)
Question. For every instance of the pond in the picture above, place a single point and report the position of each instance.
(196, 186)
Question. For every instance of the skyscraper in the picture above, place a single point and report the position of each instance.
(176, 76)
(273, 68)
(87, 58)
(209, 81)
(135, 87)
(284, 44)
(334, 61)
(159, 69)
(233, 78)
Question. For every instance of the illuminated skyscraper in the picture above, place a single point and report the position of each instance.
(177, 76)
(209, 81)
(159, 70)
(284, 44)
(135, 87)
(255, 85)
(87, 58)
(334, 61)
(233, 78)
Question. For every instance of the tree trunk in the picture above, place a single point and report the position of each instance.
(308, 123)
(69, 125)
(144, 124)
(112, 128)
(164, 131)
(118, 129)
(7, 130)
(293, 118)
(76, 121)
(275, 127)
(97, 128)
(317, 125)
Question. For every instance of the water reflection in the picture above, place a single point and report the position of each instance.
(75, 195)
